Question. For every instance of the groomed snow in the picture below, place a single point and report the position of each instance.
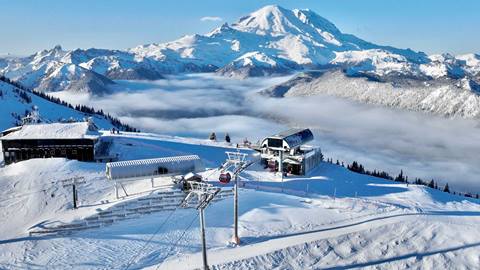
(369, 223)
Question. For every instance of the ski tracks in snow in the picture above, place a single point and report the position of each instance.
(298, 250)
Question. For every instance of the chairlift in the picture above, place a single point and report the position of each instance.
(225, 178)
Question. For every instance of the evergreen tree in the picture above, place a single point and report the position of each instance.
(446, 188)
(361, 169)
(227, 138)
(431, 184)
(213, 136)
(400, 177)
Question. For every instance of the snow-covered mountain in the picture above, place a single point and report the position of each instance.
(52, 70)
(271, 40)
(445, 97)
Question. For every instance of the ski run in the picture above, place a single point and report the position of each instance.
(330, 218)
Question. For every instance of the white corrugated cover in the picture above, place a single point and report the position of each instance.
(153, 167)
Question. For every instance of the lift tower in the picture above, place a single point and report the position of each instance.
(237, 162)
(201, 193)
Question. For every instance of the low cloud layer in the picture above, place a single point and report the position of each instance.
(195, 105)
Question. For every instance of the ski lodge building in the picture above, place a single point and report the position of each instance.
(79, 140)
(287, 151)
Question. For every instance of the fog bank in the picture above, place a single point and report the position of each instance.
(380, 138)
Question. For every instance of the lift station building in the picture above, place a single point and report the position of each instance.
(287, 151)
(78, 140)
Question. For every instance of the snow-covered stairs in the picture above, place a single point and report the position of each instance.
(129, 209)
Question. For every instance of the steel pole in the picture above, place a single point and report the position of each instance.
(235, 238)
(74, 193)
(204, 244)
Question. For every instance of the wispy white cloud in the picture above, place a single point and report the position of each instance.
(211, 19)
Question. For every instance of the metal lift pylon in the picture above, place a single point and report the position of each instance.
(238, 162)
(205, 193)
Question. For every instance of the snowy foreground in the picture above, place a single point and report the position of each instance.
(332, 218)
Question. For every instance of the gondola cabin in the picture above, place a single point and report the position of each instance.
(225, 178)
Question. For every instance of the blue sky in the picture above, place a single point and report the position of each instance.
(433, 26)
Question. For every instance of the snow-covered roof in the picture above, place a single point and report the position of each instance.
(155, 161)
(9, 130)
(293, 137)
(77, 130)
(130, 169)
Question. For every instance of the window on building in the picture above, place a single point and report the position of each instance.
(275, 142)
(162, 170)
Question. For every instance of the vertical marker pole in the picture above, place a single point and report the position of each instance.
(74, 191)
(116, 190)
(280, 164)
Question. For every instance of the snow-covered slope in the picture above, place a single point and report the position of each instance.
(268, 41)
(15, 103)
(330, 218)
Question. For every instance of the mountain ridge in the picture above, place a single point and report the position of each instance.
(271, 40)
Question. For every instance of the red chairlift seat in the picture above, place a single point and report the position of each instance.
(225, 178)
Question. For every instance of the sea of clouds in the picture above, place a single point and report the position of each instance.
(380, 138)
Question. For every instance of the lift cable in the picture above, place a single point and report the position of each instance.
(178, 241)
(135, 256)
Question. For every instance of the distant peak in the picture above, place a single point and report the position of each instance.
(57, 48)
(266, 20)
(221, 29)
(225, 26)
(269, 8)
(274, 19)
